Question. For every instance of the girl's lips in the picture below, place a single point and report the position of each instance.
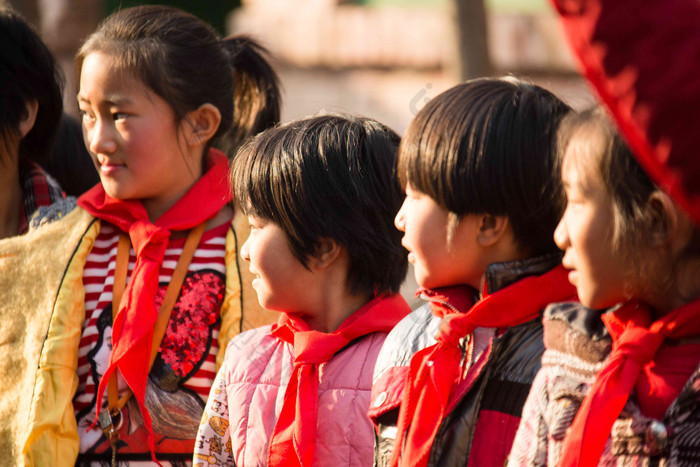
(573, 276)
(411, 257)
(108, 168)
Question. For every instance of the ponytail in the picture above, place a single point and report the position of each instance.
(256, 94)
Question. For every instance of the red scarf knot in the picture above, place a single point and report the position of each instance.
(132, 331)
(636, 343)
(305, 352)
(435, 370)
(639, 345)
(293, 439)
(149, 241)
(451, 330)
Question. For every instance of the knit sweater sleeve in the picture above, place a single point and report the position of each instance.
(530, 445)
(213, 442)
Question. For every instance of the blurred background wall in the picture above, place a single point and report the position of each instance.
(380, 58)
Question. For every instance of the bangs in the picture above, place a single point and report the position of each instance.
(255, 178)
(583, 147)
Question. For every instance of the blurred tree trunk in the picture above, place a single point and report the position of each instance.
(471, 31)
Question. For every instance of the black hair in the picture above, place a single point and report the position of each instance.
(71, 164)
(488, 146)
(28, 72)
(181, 59)
(330, 176)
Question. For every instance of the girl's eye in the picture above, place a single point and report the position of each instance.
(119, 116)
(86, 116)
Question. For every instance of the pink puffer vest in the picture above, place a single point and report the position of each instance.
(259, 368)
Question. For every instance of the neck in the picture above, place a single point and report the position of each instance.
(335, 311)
(157, 206)
(683, 290)
(10, 198)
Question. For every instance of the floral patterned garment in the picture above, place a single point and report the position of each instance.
(184, 369)
(214, 439)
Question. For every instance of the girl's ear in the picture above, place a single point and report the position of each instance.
(201, 124)
(668, 225)
(491, 229)
(327, 252)
(662, 220)
(27, 123)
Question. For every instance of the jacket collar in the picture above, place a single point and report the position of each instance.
(460, 298)
(501, 275)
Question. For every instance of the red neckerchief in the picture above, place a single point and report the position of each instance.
(293, 439)
(635, 343)
(433, 370)
(663, 380)
(132, 331)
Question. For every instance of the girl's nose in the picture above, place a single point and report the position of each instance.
(400, 219)
(561, 235)
(101, 139)
(245, 251)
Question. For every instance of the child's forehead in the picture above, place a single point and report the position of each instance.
(103, 71)
(580, 168)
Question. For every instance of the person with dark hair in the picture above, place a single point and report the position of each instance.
(30, 111)
(126, 344)
(71, 164)
(478, 164)
(320, 195)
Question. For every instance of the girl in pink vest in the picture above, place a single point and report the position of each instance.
(320, 195)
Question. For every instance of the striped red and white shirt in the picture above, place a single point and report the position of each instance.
(185, 367)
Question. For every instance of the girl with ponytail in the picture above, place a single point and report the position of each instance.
(153, 292)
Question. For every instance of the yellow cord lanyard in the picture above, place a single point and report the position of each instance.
(111, 420)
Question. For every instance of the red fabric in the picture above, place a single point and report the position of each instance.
(132, 333)
(434, 370)
(664, 378)
(488, 449)
(448, 300)
(636, 341)
(641, 59)
(294, 436)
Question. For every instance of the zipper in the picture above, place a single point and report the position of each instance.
(466, 346)
(441, 302)
(463, 344)
(482, 287)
